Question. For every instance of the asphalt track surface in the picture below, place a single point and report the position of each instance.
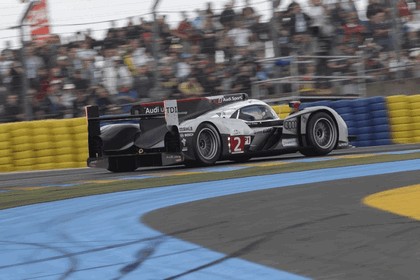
(296, 226)
(317, 230)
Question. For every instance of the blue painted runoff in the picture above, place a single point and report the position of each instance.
(102, 236)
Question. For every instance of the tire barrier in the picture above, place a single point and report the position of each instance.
(402, 110)
(414, 101)
(380, 120)
(58, 144)
(6, 159)
(282, 110)
(43, 145)
(380, 129)
(346, 112)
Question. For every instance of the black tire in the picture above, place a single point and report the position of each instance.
(122, 164)
(207, 144)
(321, 134)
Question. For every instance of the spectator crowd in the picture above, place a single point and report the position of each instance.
(210, 53)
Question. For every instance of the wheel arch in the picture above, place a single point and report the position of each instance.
(219, 132)
(333, 117)
(229, 127)
(219, 135)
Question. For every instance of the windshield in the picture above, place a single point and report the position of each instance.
(255, 113)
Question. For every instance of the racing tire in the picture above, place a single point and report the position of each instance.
(207, 144)
(121, 164)
(322, 135)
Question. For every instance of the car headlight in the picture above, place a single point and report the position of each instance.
(290, 124)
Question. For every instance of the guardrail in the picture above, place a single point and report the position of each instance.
(58, 144)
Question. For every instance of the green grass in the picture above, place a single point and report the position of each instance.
(17, 197)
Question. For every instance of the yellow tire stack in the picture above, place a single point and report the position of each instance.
(400, 117)
(6, 160)
(44, 145)
(62, 143)
(78, 129)
(414, 101)
(282, 110)
(23, 155)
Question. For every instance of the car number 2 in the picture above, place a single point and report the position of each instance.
(237, 143)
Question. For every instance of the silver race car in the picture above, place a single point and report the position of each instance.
(202, 131)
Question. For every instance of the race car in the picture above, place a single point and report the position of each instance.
(202, 131)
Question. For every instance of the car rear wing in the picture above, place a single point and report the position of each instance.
(94, 121)
(152, 114)
(188, 107)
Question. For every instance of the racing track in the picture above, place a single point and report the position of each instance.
(316, 228)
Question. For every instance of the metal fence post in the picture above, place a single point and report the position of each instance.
(27, 100)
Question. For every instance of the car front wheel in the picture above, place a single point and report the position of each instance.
(321, 135)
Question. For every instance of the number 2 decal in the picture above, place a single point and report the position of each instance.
(237, 143)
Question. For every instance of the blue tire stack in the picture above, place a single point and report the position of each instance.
(366, 118)
(343, 108)
(381, 131)
(363, 122)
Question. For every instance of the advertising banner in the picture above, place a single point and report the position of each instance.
(37, 20)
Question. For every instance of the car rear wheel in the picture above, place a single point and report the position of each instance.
(321, 135)
(207, 144)
(122, 164)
